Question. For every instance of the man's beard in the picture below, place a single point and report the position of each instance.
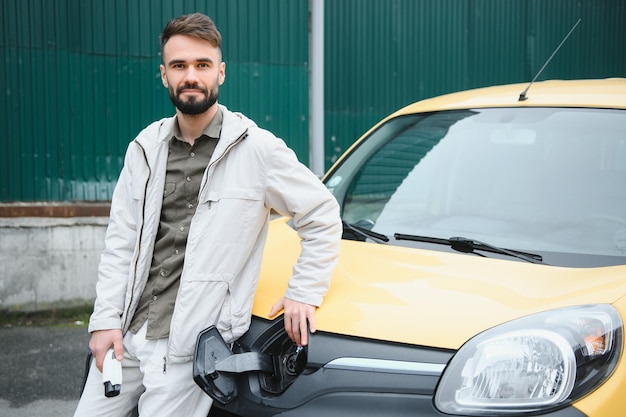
(193, 106)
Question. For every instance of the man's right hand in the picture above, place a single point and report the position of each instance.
(100, 343)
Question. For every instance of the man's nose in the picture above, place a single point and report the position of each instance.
(191, 75)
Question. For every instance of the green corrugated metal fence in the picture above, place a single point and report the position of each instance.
(382, 55)
(80, 77)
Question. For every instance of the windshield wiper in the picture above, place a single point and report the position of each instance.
(466, 245)
(365, 233)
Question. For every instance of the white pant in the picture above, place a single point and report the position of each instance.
(144, 385)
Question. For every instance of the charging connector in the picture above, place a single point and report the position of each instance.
(111, 374)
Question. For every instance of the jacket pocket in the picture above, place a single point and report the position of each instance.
(227, 194)
(198, 306)
(138, 188)
(231, 215)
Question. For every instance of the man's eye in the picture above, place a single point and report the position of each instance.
(203, 65)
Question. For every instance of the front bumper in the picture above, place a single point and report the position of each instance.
(342, 376)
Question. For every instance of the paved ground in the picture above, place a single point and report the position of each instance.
(41, 370)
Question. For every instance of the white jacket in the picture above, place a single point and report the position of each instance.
(251, 171)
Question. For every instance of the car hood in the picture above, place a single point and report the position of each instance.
(428, 297)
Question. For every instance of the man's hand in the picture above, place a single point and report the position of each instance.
(296, 316)
(100, 343)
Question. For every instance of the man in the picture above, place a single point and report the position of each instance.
(189, 218)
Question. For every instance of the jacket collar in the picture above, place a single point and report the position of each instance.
(212, 130)
(234, 125)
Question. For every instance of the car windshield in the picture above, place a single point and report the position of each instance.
(542, 180)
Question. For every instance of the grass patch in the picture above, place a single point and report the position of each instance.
(58, 317)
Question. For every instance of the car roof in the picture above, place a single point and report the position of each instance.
(601, 93)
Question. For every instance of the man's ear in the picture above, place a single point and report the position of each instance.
(163, 76)
(222, 73)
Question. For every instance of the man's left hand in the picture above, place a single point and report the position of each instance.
(297, 315)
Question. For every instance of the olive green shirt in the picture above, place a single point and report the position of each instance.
(185, 168)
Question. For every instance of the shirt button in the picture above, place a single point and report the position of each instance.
(182, 228)
(177, 251)
(188, 179)
(162, 273)
(189, 205)
(154, 298)
(193, 154)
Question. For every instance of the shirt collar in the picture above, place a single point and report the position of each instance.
(212, 131)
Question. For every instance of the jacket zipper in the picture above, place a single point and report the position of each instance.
(228, 148)
(138, 247)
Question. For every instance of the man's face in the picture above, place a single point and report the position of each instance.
(192, 71)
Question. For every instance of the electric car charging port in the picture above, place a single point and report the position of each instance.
(278, 362)
(289, 362)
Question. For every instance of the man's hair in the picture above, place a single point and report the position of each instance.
(196, 25)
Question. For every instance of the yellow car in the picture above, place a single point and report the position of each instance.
(482, 269)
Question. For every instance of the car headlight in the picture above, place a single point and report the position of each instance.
(532, 364)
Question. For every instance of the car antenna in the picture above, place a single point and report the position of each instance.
(522, 97)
